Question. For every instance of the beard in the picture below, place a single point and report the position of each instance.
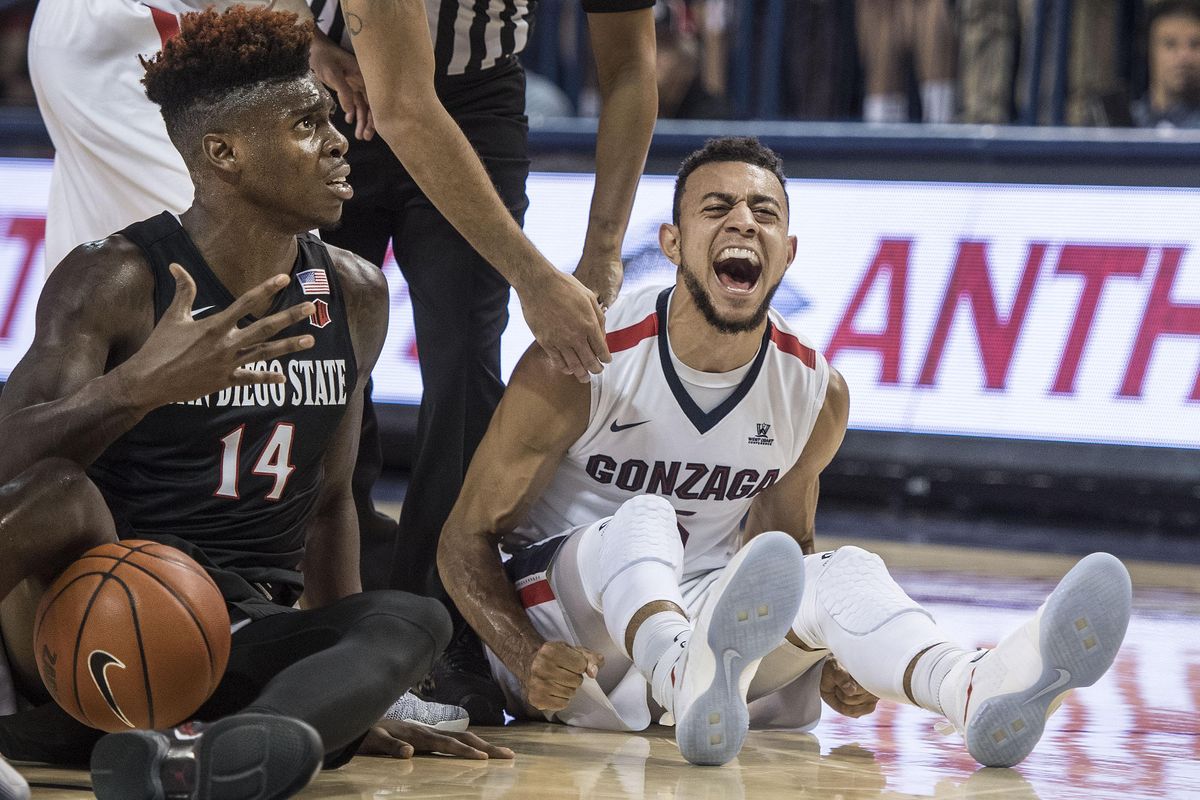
(709, 312)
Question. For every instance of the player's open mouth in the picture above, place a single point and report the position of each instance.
(738, 269)
(338, 184)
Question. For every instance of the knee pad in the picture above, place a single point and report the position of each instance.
(855, 589)
(865, 619)
(643, 529)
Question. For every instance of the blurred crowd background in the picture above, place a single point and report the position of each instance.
(1111, 63)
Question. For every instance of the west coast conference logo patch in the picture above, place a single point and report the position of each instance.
(761, 429)
(320, 316)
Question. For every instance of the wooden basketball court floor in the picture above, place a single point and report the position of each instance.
(1135, 734)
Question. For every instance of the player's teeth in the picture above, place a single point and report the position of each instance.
(739, 252)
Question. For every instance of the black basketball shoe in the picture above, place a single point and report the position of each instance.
(462, 677)
(241, 757)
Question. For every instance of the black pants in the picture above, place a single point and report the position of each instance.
(460, 308)
(338, 668)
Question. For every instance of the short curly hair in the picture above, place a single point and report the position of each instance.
(745, 149)
(217, 61)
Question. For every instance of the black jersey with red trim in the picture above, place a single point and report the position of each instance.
(236, 474)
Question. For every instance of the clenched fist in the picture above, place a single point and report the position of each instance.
(556, 673)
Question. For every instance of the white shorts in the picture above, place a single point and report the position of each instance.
(785, 692)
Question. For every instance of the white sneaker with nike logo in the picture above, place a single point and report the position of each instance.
(999, 701)
(749, 612)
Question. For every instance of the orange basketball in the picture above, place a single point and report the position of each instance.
(132, 635)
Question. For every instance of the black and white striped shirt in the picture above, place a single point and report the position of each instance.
(469, 35)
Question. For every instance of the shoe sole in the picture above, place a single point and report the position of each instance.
(450, 726)
(750, 619)
(242, 757)
(1080, 632)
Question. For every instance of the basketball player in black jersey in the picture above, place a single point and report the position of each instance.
(207, 373)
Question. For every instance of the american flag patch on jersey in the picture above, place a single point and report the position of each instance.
(313, 281)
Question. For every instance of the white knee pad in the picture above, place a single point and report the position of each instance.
(643, 529)
(853, 607)
(641, 562)
(856, 590)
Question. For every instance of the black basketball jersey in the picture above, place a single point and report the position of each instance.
(236, 474)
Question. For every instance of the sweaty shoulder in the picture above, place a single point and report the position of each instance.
(101, 285)
(366, 296)
(362, 281)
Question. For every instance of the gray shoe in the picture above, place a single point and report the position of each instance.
(439, 716)
(749, 613)
(999, 699)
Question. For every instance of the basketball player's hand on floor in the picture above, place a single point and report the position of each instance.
(556, 673)
(185, 358)
(842, 693)
(603, 276)
(397, 739)
(567, 322)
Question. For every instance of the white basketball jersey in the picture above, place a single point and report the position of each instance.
(646, 435)
(113, 162)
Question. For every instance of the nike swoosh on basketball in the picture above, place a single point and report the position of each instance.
(1064, 678)
(98, 664)
(616, 427)
(196, 311)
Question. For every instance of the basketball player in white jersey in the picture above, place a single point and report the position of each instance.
(657, 520)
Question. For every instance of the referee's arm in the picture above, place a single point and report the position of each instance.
(622, 35)
(396, 57)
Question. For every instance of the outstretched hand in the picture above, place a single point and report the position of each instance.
(398, 739)
(568, 323)
(184, 358)
(842, 693)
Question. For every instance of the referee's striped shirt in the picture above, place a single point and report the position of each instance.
(469, 35)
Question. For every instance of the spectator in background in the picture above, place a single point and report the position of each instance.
(821, 67)
(1173, 97)
(892, 34)
(989, 32)
(681, 86)
(996, 40)
(15, 88)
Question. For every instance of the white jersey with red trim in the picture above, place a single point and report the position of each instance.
(113, 162)
(646, 435)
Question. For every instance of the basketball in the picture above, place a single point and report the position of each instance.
(134, 634)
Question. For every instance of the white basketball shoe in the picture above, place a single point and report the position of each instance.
(12, 785)
(999, 699)
(748, 614)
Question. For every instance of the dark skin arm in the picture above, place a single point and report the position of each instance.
(331, 569)
(98, 363)
(791, 506)
(395, 54)
(623, 44)
(541, 414)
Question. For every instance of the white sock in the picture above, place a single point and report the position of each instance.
(937, 101)
(657, 645)
(932, 668)
(885, 108)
